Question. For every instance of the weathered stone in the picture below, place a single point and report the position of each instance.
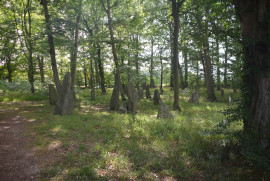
(222, 93)
(53, 96)
(229, 99)
(93, 97)
(132, 98)
(123, 108)
(152, 83)
(148, 94)
(140, 93)
(163, 111)
(195, 95)
(156, 97)
(65, 102)
(144, 85)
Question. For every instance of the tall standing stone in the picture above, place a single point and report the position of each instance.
(148, 94)
(132, 98)
(144, 85)
(53, 96)
(195, 96)
(65, 102)
(152, 83)
(163, 111)
(156, 97)
(222, 93)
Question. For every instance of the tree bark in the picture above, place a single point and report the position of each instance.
(41, 68)
(226, 63)
(176, 5)
(185, 54)
(255, 25)
(115, 102)
(51, 44)
(218, 64)
(152, 63)
(101, 70)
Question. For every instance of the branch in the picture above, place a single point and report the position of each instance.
(103, 5)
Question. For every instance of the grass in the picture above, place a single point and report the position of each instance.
(97, 144)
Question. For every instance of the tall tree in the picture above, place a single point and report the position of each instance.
(254, 18)
(176, 5)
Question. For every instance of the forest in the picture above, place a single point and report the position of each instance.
(135, 90)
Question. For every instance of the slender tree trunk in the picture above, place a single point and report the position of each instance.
(74, 52)
(218, 66)
(101, 70)
(256, 69)
(137, 60)
(181, 77)
(171, 56)
(52, 49)
(97, 73)
(9, 69)
(152, 61)
(226, 63)
(115, 102)
(161, 72)
(185, 54)
(175, 13)
(41, 68)
(85, 77)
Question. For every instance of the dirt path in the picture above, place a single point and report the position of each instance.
(17, 160)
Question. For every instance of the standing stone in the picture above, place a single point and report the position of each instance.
(144, 85)
(148, 94)
(132, 98)
(93, 97)
(140, 93)
(53, 96)
(156, 97)
(163, 111)
(65, 102)
(123, 108)
(229, 98)
(222, 93)
(195, 95)
(152, 83)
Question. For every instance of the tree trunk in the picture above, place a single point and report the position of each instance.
(52, 49)
(101, 70)
(175, 13)
(255, 24)
(152, 64)
(181, 77)
(9, 69)
(226, 63)
(161, 72)
(74, 52)
(137, 60)
(115, 102)
(41, 68)
(218, 66)
(185, 54)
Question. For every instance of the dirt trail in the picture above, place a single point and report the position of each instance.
(17, 160)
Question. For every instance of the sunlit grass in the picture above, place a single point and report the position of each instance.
(97, 144)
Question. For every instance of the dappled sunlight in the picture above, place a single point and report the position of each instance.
(31, 120)
(54, 145)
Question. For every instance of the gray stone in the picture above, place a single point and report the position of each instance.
(152, 83)
(53, 96)
(123, 108)
(65, 103)
(222, 93)
(195, 95)
(132, 98)
(156, 97)
(229, 99)
(163, 111)
(144, 85)
(148, 94)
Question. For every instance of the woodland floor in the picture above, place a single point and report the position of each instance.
(97, 144)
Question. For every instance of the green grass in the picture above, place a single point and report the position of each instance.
(97, 144)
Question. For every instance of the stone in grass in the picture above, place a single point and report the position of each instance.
(132, 98)
(123, 108)
(53, 96)
(195, 95)
(65, 102)
(156, 97)
(164, 111)
(222, 93)
(148, 94)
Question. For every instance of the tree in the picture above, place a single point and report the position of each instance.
(254, 19)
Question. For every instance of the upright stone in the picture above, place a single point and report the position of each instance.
(123, 108)
(53, 96)
(148, 94)
(132, 98)
(163, 111)
(195, 95)
(65, 102)
(222, 93)
(144, 85)
(140, 93)
(229, 99)
(156, 97)
(152, 83)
